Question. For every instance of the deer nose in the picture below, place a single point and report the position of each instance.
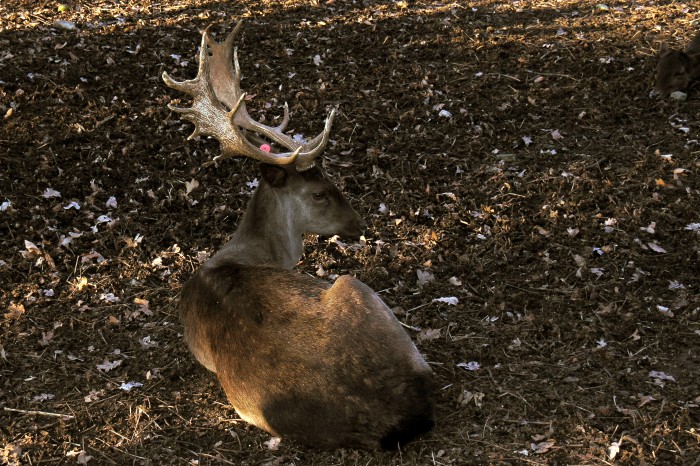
(362, 225)
(356, 228)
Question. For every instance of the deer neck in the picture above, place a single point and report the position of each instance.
(266, 234)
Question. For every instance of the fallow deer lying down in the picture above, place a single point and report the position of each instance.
(325, 365)
(677, 68)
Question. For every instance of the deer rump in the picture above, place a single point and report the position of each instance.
(327, 366)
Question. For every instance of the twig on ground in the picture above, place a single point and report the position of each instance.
(39, 413)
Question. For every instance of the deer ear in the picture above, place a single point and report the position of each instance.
(664, 50)
(274, 175)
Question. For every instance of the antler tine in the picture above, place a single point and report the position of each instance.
(275, 134)
(307, 159)
(285, 119)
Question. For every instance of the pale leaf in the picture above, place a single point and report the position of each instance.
(656, 248)
(451, 300)
(429, 334)
(109, 365)
(191, 185)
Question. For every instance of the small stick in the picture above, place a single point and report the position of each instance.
(415, 329)
(40, 413)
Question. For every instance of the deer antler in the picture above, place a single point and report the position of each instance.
(217, 88)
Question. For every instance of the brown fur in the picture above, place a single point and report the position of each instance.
(677, 68)
(325, 365)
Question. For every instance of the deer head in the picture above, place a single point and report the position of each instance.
(295, 196)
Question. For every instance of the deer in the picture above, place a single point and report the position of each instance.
(325, 365)
(677, 68)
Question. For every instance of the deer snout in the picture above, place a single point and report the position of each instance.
(356, 228)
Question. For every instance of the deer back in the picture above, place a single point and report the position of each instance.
(325, 365)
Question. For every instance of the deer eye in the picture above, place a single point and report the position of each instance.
(319, 196)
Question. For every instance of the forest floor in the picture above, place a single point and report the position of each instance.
(506, 154)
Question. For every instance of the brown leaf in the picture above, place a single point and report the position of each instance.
(14, 311)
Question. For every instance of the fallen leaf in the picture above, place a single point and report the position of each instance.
(94, 395)
(273, 444)
(127, 386)
(661, 376)
(143, 303)
(451, 300)
(83, 457)
(191, 185)
(31, 250)
(546, 435)
(424, 277)
(466, 397)
(470, 366)
(656, 248)
(675, 285)
(651, 229)
(109, 365)
(644, 399)
(79, 284)
(46, 338)
(49, 193)
(15, 310)
(542, 447)
(429, 334)
(109, 297)
(93, 255)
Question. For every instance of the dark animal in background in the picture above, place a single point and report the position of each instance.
(326, 365)
(677, 68)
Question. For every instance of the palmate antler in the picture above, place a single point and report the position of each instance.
(219, 110)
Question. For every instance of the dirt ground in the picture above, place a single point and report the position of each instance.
(504, 153)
